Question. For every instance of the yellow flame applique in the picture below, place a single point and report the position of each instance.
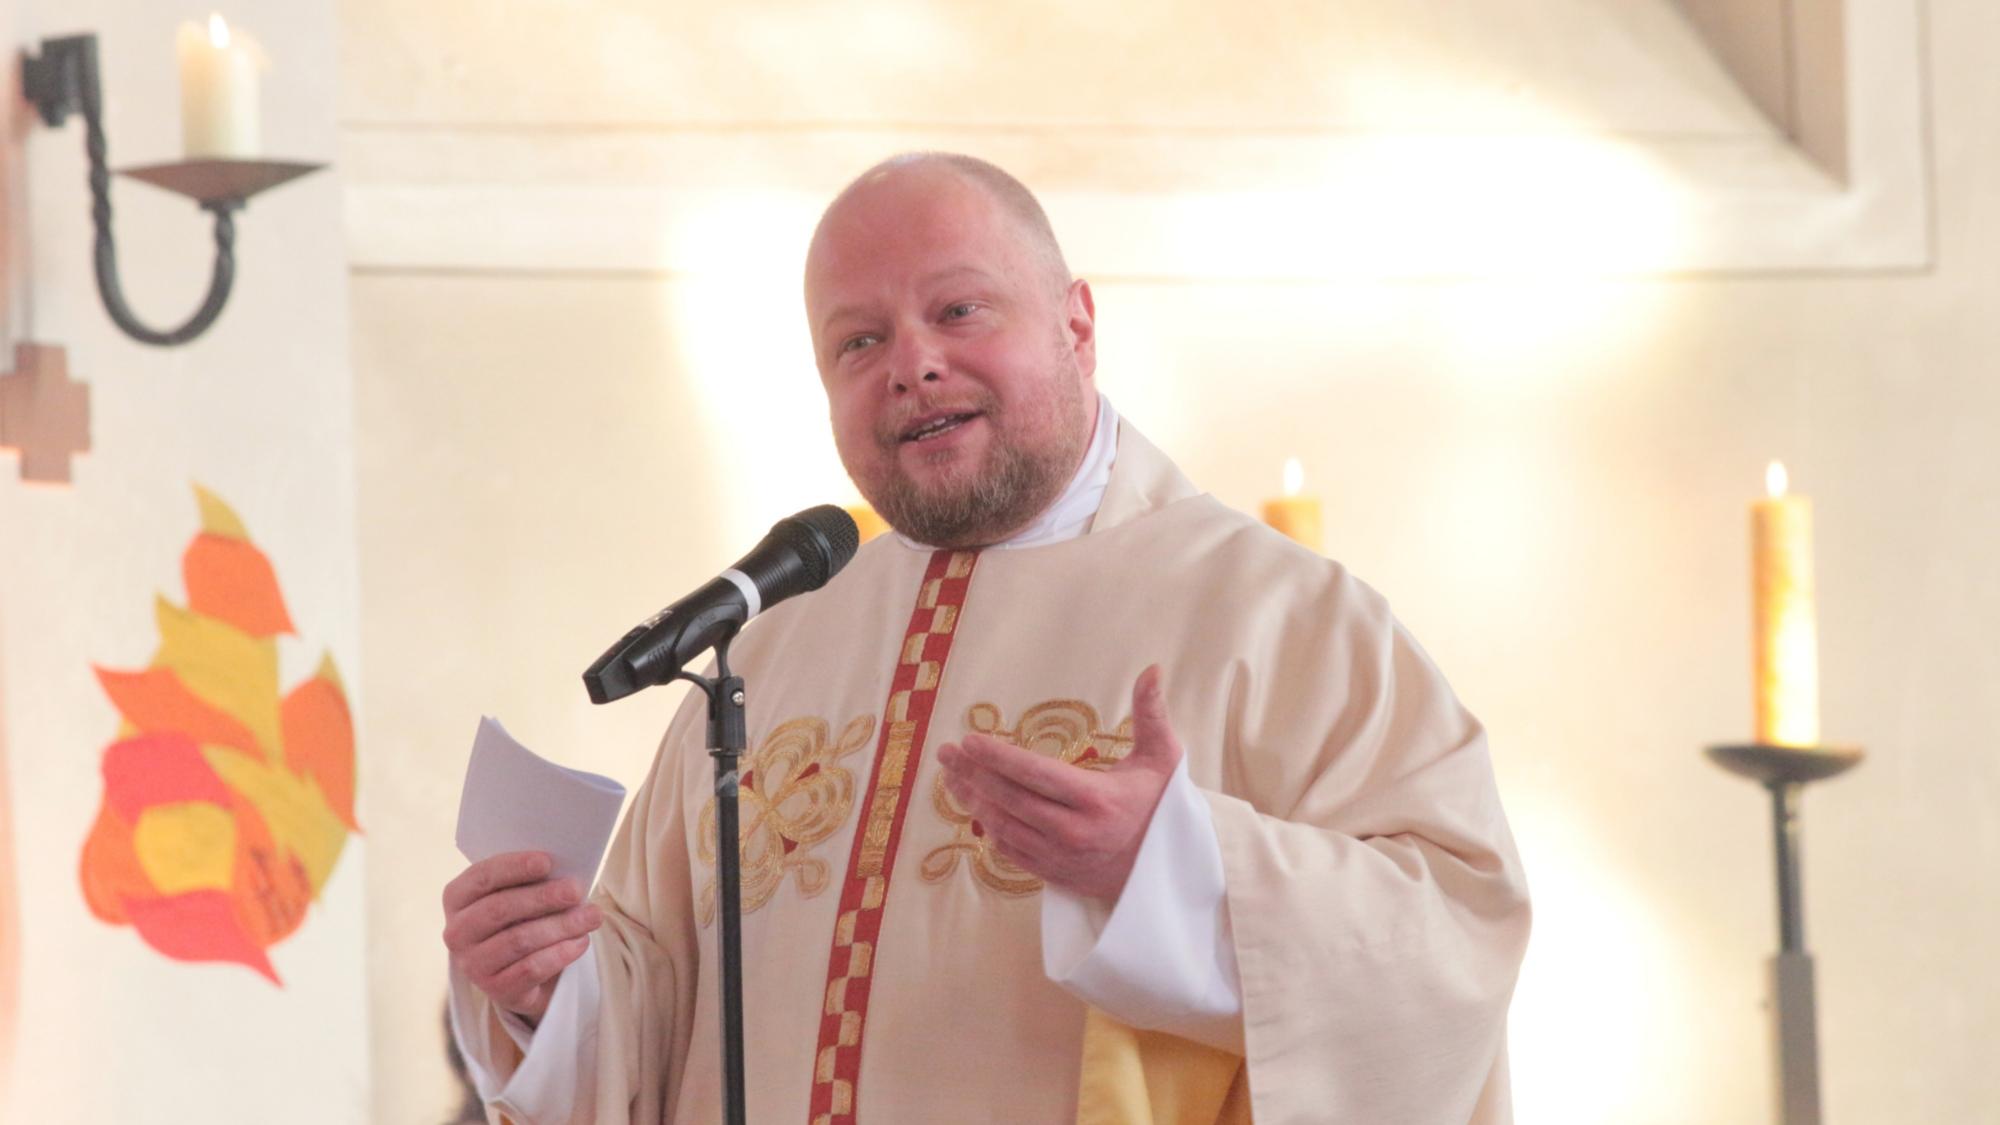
(226, 804)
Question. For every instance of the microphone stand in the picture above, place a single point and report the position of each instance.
(725, 744)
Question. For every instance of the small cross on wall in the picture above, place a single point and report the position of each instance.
(44, 415)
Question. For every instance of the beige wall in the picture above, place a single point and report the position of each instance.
(260, 411)
(575, 316)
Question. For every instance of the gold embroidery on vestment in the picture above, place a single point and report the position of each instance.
(888, 793)
(896, 756)
(1067, 730)
(792, 795)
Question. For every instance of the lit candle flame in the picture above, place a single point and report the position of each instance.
(218, 31)
(1295, 477)
(1775, 479)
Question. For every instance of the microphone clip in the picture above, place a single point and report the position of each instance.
(727, 732)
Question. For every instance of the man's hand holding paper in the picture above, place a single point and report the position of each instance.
(512, 929)
(535, 832)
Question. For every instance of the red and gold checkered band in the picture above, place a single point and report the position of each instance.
(905, 721)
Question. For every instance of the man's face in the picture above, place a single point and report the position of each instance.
(955, 362)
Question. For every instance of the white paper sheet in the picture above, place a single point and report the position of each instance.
(517, 801)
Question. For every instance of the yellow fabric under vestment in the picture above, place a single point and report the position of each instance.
(1136, 1077)
(1377, 904)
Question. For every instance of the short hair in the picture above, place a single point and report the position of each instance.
(1011, 194)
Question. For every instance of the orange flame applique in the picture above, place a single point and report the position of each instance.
(225, 806)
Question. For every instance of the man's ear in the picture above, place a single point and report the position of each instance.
(1080, 319)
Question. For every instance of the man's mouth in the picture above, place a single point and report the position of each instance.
(936, 425)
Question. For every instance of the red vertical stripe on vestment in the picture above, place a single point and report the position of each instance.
(906, 719)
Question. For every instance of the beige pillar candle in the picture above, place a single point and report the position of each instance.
(1785, 639)
(1294, 515)
(866, 521)
(219, 118)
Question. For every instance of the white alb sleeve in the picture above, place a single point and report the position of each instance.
(557, 1078)
(1163, 956)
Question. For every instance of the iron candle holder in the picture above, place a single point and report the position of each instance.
(64, 79)
(1785, 771)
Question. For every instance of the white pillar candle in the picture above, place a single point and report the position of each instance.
(218, 93)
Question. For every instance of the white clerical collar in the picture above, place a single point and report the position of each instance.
(1072, 512)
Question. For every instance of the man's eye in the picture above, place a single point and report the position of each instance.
(960, 310)
(856, 343)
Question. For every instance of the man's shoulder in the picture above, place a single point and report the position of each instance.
(1200, 543)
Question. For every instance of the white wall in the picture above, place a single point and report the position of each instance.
(260, 411)
(575, 314)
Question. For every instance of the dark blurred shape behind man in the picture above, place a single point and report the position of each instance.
(1081, 798)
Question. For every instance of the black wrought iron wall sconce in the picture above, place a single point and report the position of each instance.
(63, 80)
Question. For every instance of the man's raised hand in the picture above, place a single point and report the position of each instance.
(512, 930)
(1078, 829)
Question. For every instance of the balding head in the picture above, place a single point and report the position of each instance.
(1011, 196)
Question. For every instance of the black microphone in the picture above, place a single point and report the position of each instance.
(797, 557)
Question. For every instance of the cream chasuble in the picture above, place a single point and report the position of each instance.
(893, 969)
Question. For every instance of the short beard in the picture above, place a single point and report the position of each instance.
(1015, 486)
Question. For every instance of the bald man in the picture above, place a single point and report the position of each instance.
(1081, 798)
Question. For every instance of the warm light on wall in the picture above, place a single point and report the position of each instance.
(1603, 1002)
(1399, 206)
(740, 326)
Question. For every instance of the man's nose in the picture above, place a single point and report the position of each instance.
(916, 358)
